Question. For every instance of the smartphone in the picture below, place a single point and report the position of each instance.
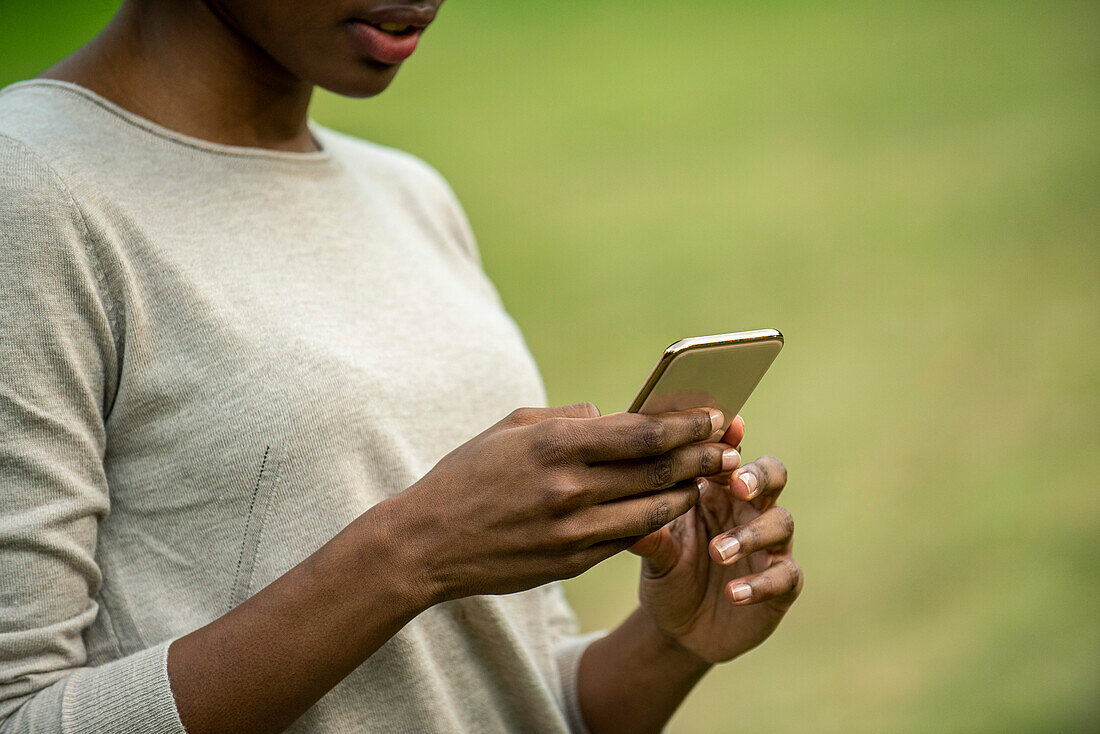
(717, 371)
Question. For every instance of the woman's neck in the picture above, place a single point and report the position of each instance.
(183, 66)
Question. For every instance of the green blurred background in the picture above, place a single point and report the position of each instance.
(911, 193)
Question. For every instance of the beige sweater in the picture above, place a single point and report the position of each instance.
(212, 359)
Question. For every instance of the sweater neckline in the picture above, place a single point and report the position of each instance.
(324, 155)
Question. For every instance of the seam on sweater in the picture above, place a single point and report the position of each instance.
(117, 330)
(132, 119)
(259, 503)
(274, 474)
(248, 518)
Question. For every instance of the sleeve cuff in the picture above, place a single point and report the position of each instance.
(130, 695)
(568, 654)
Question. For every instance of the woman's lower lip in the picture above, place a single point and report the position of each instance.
(382, 46)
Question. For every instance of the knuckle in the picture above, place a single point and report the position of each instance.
(691, 497)
(685, 501)
(590, 408)
(701, 426)
(710, 461)
(521, 416)
(651, 436)
(777, 472)
(567, 536)
(661, 471)
(785, 520)
(749, 537)
(794, 573)
(555, 441)
(515, 417)
(561, 493)
(658, 513)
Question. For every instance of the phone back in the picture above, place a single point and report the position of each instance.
(718, 371)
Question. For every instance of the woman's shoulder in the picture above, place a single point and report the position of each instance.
(43, 229)
(47, 140)
(419, 184)
(34, 188)
(380, 161)
(30, 187)
(37, 115)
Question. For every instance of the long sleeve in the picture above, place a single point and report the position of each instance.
(58, 367)
(569, 646)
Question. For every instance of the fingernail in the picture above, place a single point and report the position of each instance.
(716, 419)
(750, 481)
(741, 592)
(727, 547)
(730, 459)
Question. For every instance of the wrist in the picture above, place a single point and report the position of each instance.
(634, 678)
(388, 531)
(666, 645)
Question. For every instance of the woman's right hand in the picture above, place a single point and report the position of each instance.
(547, 493)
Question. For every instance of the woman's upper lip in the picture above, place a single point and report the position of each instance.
(418, 16)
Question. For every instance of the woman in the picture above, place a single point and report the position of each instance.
(237, 348)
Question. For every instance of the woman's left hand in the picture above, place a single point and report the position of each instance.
(718, 579)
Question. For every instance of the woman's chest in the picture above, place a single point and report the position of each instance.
(362, 358)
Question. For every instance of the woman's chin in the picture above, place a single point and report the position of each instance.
(367, 79)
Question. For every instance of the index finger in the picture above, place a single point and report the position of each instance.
(621, 436)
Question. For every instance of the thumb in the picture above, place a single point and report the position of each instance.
(578, 410)
(658, 550)
(530, 416)
(527, 416)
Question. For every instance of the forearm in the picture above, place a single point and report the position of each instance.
(634, 679)
(261, 665)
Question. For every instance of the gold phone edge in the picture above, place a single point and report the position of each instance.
(696, 342)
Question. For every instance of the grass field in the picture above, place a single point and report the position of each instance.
(911, 193)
